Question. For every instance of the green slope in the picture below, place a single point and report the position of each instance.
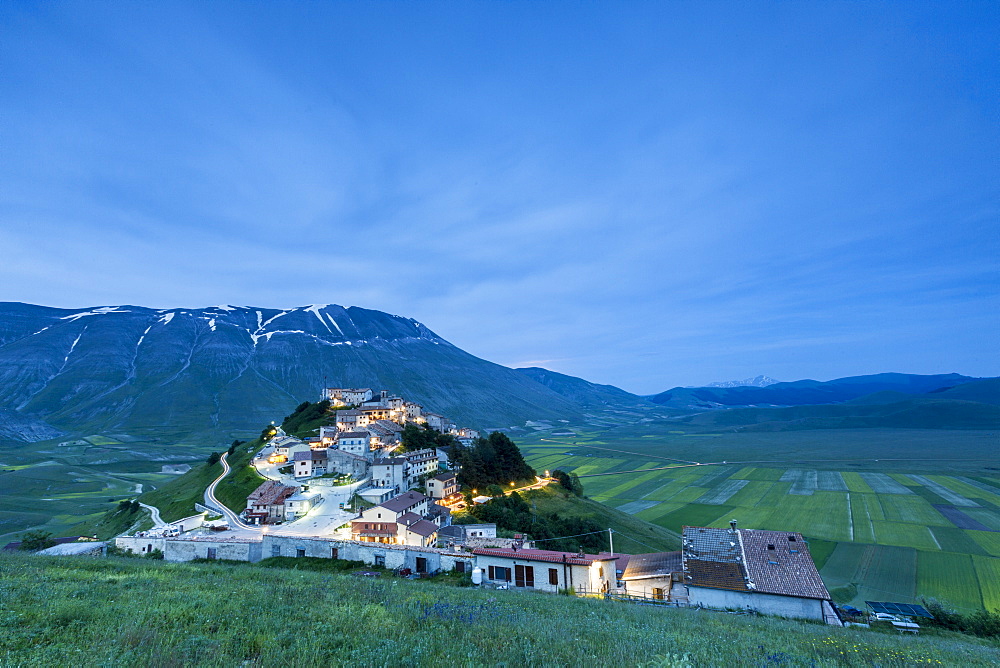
(131, 612)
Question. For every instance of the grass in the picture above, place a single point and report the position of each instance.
(631, 534)
(234, 489)
(852, 499)
(128, 612)
(950, 579)
(176, 499)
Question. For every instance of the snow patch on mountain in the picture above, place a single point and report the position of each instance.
(756, 381)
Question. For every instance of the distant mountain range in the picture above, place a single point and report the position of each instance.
(756, 381)
(208, 373)
(805, 392)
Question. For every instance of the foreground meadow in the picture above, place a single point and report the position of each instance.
(130, 612)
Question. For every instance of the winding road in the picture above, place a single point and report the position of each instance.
(155, 513)
(212, 502)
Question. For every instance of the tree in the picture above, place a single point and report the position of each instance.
(213, 459)
(568, 481)
(235, 444)
(494, 460)
(36, 540)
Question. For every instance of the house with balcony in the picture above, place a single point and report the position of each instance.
(395, 521)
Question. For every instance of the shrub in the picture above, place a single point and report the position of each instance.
(36, 540)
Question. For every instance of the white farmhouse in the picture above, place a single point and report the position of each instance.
(547, 570)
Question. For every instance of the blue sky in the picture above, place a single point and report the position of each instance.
(642, 194)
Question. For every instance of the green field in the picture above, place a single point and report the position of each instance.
(869, 498)
(66, 486)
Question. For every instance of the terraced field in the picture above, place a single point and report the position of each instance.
(896, 531)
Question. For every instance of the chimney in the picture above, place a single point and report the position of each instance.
(732, 525)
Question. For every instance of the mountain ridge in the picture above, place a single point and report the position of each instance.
(230, 368)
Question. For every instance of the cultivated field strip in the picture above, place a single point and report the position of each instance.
(988, 572)
(883, 484)
(803, 481)
(890, 535)
(985, 487)
(945, 493)
(723, 492)
(831, 481)
(949, 578)
(633, 507)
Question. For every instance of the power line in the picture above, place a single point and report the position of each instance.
(538, 540)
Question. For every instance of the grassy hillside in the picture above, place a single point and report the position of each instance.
(242, 479)
(631, 534)
(176, 498)
(89, 612)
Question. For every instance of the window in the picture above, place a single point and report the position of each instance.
(499, 573)
(554, 577)
(459, 566)
(300, 552)
(770, 547)
(791, 539)
(275, 550)
(211, 553)
(600, 571)
(657, 593)
(380, 560)
(524, 576)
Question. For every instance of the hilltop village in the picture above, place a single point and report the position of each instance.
(360, 490)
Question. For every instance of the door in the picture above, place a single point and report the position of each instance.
(421, 565)
(524, 576)
(211, 553)
(334, 553)
(657, 593)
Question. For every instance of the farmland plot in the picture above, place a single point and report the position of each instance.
(878, 572)
(803, 482)
(912, 509)
(949, 578)
(864, 509)
(723, 492)
(751, 494)
(945, 493)
(831, 481)
(904, 535)
(988, 540)
(988, 570)
(953, 539)
(856, 483)
(883, 484)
